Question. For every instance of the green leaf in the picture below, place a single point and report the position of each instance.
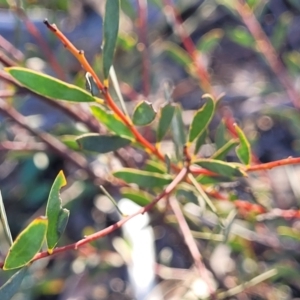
(230, 4)
(251, 3)
(279, 34)
(220, 137)
(137, 196)
(241, 36)
(49, 86)
(143, 178)
(200, 141)
(4, 222)
(11, 286)
(208, 180)
(143, 114)
(177, 54)
(243, 151)
(186, 192)
(111, 121)
(57, 216)
(292, 61)
(289, 232)
(210, 40)
(126, 41)
(178, 132)
(165, 118)
(27, 244)
(155, 166)
(221, 167)
(101, 143)
(111, 28)
(70, 141)
(202, 118)
(223, 151)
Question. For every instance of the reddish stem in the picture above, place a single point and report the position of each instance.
(265, 47)
(90, 238)
(32, 29)
(203, 75)
(143, 44)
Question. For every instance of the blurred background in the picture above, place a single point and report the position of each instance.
(149, 259)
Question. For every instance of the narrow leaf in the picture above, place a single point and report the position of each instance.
(220, 137)
(165, 118)
(57, 216)
(12, 285)
(177, 54)
(178, 132)
(241, 36)
(49, 86)
(111, 28)
(210, 40)
(207, 180)
(200, 141)
(280, 30)
(27, 244)
(221, 167)
(4, 222)
(154, 166)
(70, 141)
(223, 151)
(111, 198)
(202, 118)
(137, 196)
(143, 178)
(111, 121)
(102, 143)
(143, 114)
(243, 151)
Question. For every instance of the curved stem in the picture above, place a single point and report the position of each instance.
(90, 238)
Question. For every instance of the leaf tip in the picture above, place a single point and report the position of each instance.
(62, 175)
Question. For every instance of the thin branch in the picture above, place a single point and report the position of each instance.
(242, 287)
(191, 244)
(143, 44)
(177, 23)
(265, 47)
(22, 146)
(79, 55)
(274, 164)
(33, 30)
(7, 94)
(11, 49)
(53, 143)
(90, 238)
(6, 61)
(74, 112)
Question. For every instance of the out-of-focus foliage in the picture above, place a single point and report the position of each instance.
(247, 234)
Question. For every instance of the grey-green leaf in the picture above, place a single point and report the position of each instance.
(111, 28)
(12, 285)
(223, 151)
(57, 216)
(221, 167)
(165, 119)
(178, 132)
(143, 114)
(200, 141)
(202, 118)
(102, 143)
(143, 178)
(48, 86)
(110, 120)
(4, 222)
